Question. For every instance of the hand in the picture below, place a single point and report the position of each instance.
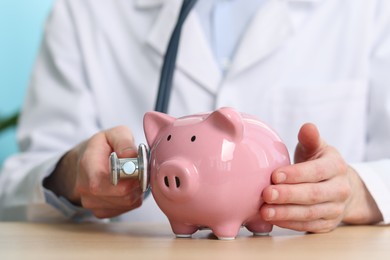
(82, 175)
(319, 191)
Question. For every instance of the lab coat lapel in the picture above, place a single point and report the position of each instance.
(195, 58)
(269, 29)
(162, 29)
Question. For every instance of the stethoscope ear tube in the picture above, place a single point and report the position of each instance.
(131, 168)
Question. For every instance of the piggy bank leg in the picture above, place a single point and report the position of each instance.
(227, 231)
(183, 230)
(259, 227)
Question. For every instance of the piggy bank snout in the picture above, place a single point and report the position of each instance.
(177, 179)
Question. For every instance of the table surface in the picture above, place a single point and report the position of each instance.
(112, 241)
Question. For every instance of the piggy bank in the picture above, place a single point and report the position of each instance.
(209, 170)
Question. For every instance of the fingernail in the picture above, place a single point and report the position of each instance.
(271, 213)
(280, 177)
(127, 150)
(274, 195)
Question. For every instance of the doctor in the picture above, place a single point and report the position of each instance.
(286, 61)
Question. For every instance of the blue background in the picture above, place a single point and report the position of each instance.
(21, 28)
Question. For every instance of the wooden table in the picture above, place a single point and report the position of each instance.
(112, 241)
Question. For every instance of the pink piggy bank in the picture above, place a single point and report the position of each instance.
(209, 170)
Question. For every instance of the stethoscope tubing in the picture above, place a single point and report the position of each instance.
(168, 67)
(139, 167)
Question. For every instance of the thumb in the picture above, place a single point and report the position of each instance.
(121, 140)
(309, 143)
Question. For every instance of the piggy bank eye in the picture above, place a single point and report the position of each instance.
(193, 138)
(169, 137)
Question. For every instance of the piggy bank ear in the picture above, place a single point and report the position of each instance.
(153, 123)
(228, 121)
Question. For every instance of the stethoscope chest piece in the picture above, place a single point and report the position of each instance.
(134, 168)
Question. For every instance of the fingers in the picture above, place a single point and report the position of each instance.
(94, 165)
(307, 193)
(325, 167)
(312, 194)
(309, 143)
(103, 188)
(106, 207)
(93, 181)
(315, 226)
(319, 213)
(309, 137)
(312, 217)
(122, 141)
(325, 161)
(302, 212)
(316, 218)
(125, 203)
(99, 147)
(108, 204)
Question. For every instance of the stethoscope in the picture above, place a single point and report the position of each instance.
(138, 168)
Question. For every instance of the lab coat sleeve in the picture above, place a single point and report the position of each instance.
(376, 172)
(58, 113)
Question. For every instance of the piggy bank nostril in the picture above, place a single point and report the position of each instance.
(166, 181)
(177, 182)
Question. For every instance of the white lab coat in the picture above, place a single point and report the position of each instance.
(323, 61)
